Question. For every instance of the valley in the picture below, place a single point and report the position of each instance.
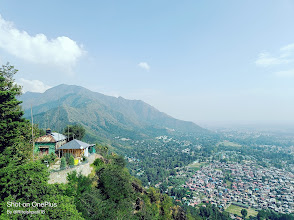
(196, 171)
(230, 169)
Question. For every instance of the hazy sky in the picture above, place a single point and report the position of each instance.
(203, 61)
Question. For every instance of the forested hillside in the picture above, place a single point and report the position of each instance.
(101, 115)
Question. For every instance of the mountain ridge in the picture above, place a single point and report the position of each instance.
(101, 114)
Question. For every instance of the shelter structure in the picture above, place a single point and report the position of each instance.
(76, 148)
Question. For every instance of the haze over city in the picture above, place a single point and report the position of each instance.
(225, 62)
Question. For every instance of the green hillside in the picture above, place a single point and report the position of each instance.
(101, 115)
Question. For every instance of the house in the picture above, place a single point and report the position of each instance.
(76, 148)
(48, 143)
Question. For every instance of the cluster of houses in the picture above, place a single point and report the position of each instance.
(249, 186)
(59, 144)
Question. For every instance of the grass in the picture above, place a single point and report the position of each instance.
(228, 144)
(196, 165)
(237, 210)
(194, 168)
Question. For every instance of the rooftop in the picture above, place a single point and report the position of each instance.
(75, 144)
(52, 138)
(46, 139)
(58, 137)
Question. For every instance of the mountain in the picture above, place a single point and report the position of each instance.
(103, 116)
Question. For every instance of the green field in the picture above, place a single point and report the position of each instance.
(237, 210)
(229, 144)
(196, 165)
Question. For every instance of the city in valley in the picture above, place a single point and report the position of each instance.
(241, 170)
(245, 185)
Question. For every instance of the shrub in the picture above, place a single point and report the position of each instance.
(49, 157)
(63, 163)
(71, 160)
(67, 156)
(119, 161)
(98, 162)
(52, 157)
(46, 157)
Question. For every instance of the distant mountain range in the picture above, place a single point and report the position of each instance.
(104, 117)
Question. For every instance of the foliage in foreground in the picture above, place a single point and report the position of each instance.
(271, 215)
(114, 193)
(27, 183)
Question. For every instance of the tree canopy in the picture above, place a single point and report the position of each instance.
(76, 131)
(15, 138)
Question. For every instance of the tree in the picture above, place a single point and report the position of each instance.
(98, 162)
(62, 163)
(71, 160)
(115, 184)
(119, 161)
(103, 150)
(12, 125)
(77, 184)
(27, 183)
(244, 213)
(74, 131)
(67, 157)
(10, 111)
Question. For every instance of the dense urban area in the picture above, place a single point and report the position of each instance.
(236, 170)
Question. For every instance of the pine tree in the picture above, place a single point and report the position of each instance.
(13, 128)
(63, 163)
(71, 161)
(76, 131)
(10, 112)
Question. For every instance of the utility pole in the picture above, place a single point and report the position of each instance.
(58, 118)
(33, 132)
(47, 118)
(67, 132)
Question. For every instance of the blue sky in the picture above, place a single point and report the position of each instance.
(202, 61)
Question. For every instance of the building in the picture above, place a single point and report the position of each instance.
(76, 148)
(49, 143)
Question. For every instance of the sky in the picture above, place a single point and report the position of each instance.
(210, 62)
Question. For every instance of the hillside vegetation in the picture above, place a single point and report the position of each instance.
(102, 116)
